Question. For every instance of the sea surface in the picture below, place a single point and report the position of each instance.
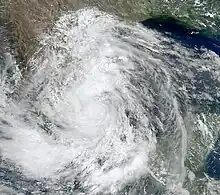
(114, 104)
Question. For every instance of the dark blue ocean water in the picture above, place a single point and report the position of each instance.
(189, 37)
(198, 39)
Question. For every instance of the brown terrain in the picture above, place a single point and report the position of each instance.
(26, 19)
